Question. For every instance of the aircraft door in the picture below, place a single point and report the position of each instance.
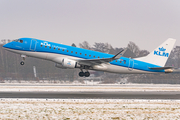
(33, 44)
(131, 64)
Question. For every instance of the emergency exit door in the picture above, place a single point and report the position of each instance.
(33, 44)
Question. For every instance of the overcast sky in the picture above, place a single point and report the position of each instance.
(147, 23)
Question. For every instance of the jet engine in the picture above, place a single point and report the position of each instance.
(67, 63)
(59, 66)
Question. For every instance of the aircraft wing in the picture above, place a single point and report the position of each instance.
(91, 62)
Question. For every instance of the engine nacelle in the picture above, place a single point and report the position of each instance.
(59, 66)
(67, 63)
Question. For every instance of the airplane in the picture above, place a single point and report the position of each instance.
(71, 57)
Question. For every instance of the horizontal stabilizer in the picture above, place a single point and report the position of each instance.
(160, 68)
(176, 71)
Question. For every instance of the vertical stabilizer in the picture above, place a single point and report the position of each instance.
(160, 55)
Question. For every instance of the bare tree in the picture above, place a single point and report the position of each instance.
(73, 45)
(174, 58)
(102, 47)
(143, 53)
(4, 41)
(85, 45)
(134, 48)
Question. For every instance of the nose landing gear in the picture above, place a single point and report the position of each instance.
(22, 62)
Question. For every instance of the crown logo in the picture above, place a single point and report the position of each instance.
(162, 49)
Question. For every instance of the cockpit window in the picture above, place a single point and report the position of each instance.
(16, 40)
(21, 41)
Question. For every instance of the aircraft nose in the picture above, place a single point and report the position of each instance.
(6, 45)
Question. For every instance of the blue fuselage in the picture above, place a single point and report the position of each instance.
(34, 48)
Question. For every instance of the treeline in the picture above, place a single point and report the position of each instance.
(10, 67)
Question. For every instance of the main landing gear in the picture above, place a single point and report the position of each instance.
(22, 62)
(82, 74)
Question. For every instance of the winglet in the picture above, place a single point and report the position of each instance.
(119, 54)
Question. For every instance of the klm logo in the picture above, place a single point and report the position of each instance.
(161, 52)
(45, 44)
(69, 63)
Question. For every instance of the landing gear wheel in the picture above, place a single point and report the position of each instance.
(81, 74)
(87, 74)
(22, 63)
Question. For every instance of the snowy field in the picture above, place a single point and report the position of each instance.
(75, 87)
(84, 109)
(115, 109)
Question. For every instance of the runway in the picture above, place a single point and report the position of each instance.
(94, 95)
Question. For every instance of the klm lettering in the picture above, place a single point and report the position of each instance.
(46, 44)
(160, 53)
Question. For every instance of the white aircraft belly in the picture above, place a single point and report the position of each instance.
(118, 69)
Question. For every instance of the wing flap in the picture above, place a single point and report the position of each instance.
(91, 62)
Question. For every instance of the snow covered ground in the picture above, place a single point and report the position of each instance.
(89, 109)
(72, 87)
(66, 109)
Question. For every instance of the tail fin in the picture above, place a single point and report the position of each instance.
(160, 55)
